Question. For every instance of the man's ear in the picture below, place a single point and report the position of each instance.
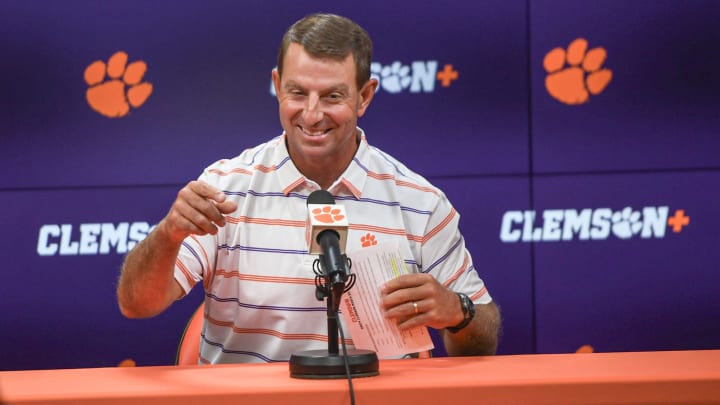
(366, 95)
(276, 82)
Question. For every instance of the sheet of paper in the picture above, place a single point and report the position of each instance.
(370, 330)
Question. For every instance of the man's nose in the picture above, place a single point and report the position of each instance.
(312, 113)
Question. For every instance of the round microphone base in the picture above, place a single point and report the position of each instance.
(320, 365)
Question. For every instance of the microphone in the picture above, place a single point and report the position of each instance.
(324, 219)
(328, 227)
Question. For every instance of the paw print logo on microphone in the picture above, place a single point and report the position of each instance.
(328, 214)
(108, 82)
(575, 73)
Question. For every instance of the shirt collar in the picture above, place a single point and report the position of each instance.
(287, 174)
(351, 181)
(354, 177)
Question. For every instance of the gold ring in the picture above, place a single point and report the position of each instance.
(415, 306)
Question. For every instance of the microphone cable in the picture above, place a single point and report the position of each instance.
(347, 363)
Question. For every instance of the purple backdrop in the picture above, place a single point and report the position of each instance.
(516, 160)
(654, 293)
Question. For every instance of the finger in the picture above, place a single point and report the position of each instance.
(223, 208)
(187, 227)
(395, 301)
(200, 206)
(227, 206)
(206, 191)
(177, 225)
(413, 289)
(411, 322)
(217, 197)
(399, 311)
(404, 281)
(415, 316)
(196, 216)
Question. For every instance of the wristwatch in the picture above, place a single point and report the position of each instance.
(468, 309)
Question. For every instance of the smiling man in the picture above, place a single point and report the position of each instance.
(239, 230)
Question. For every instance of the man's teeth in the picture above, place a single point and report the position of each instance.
(314, 133)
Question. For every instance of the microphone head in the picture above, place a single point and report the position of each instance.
(324, 215)
(320, 197)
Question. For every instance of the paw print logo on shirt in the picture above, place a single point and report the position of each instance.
(108, 82)
(327, 214)
(575, 73)
(368, 240)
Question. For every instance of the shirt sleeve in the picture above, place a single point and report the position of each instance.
(194, 261)
(445, 256)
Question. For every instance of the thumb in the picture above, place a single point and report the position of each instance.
(219, 197)
(226, 207)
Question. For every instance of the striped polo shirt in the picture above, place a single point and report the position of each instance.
(260, 303)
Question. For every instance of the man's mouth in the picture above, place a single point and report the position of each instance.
(315, 132)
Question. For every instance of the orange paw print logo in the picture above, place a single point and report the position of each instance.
(368, 240)
(108, 97)
(570, 85)
(327, 214)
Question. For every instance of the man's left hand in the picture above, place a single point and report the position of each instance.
(419, 299)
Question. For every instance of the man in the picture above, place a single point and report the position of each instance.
(240, 229)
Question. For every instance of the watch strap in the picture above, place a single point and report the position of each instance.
(468, 309)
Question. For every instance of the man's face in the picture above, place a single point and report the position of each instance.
(319, 108)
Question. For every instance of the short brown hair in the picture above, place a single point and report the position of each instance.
(330, 36)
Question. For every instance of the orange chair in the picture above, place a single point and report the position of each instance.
(189, 349)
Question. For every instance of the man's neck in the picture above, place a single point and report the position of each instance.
(325, 174)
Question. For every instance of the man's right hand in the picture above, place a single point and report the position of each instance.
(198, 210)
(147, 285)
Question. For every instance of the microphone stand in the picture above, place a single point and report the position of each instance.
(330, 364)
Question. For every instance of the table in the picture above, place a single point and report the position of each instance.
(669, 377)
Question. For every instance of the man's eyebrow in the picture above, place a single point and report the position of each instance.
(291, 83)
(341, 87)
